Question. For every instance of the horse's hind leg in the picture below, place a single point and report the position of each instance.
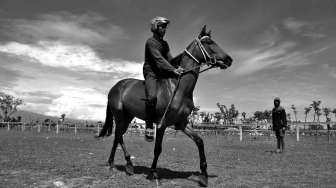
(203, 164)
(121, 121)
(129, 165)
(124, 122)
(114, 148)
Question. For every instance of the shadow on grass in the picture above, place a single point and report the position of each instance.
(165, 173)
(271, 151)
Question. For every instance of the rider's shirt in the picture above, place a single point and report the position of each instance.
(279, 118)
(157, 58)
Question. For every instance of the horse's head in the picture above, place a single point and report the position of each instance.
(207, 51)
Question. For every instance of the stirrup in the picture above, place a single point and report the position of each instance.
(149, 135)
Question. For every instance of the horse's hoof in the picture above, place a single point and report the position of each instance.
(129, 169)
(111, 166)
(203, 180)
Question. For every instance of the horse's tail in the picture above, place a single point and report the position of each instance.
(108, 125)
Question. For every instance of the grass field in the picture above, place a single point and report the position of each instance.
(30, 159)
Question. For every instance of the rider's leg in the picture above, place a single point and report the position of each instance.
(150, 82)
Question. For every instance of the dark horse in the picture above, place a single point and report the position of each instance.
(126, 100)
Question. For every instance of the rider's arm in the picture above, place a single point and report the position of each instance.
(170, 57)
(161, 62)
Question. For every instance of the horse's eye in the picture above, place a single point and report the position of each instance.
(209, 41)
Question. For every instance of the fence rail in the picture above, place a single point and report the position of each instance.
(59, 129)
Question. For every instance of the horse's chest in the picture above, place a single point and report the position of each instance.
(185, 108)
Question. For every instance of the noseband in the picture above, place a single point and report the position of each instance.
(206, 56)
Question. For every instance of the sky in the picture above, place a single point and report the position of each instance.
(63, 56)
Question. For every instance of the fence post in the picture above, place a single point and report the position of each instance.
(240, 133)
(297, 133)
(98, 127)
(57, 128)
(22, 127)
(8, 126)
(38, 128)
(75, 128)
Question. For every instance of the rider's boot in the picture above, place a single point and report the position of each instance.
(150, 116)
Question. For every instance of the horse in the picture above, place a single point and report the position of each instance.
(126, 100)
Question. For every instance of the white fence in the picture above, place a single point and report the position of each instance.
(58, 128)
(138, 130)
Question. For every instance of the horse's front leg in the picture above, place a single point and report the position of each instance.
(157, 151)
(203, 179)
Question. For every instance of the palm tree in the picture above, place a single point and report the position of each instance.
(294, 111)
(306, 111)
(233, 113)
(326, 112)
(244, 116)
(316, 107)
(224, 111)
(318, 114)
(62, 117)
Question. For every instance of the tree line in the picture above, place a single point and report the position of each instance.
(227, 114)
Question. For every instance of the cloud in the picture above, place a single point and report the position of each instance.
(8, 77)
(294, 25)
(79, 102)
(275, 48)
(64, 78)
(303, 28)
(331, 71)
(72, 57)
(89, 28)
(269, 57)
(38, 97)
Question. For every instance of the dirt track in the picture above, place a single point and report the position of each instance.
(29, 159)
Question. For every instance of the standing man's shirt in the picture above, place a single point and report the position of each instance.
(279, 118)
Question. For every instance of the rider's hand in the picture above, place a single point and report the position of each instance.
(179, 71)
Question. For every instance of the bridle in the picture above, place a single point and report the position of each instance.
(211, 61)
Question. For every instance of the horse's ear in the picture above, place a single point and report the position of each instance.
(209, 33)
(203, 32)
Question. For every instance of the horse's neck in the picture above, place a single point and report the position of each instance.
(188, 81)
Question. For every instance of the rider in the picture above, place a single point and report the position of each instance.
(156, 65)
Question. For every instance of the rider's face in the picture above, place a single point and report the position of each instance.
(161, 30)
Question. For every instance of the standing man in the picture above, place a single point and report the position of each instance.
(156, 65)
(279, 124)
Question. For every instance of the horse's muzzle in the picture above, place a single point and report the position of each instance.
(224, 63)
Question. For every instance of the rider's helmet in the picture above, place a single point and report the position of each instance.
(155, 22)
